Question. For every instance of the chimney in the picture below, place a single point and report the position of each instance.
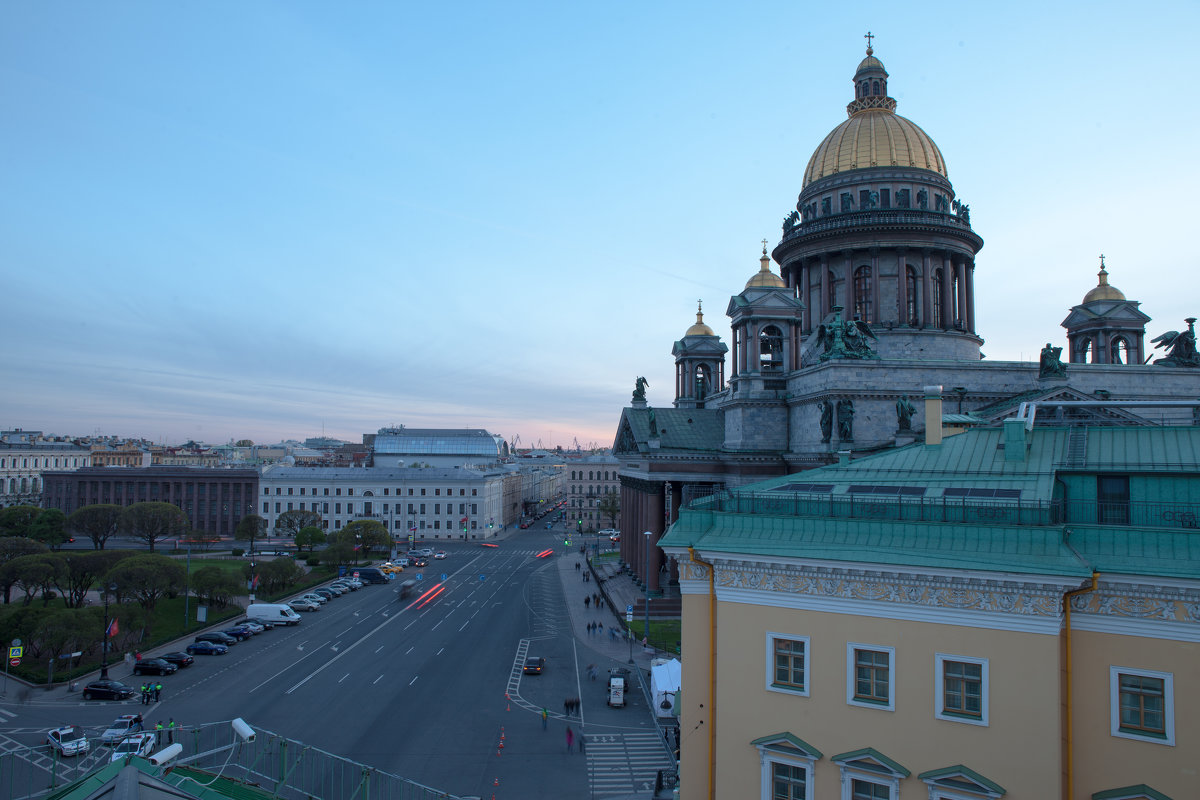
(1014, 439)
(933, 415)
(843, 457)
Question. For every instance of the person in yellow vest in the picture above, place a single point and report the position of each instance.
(158, 733)
(171, 731)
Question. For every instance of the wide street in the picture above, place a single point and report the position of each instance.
(427, 688)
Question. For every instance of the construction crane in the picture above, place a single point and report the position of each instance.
(516, 440)
(576, 442)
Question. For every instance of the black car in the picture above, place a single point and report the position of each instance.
(217, 637)
(534, 664)
(107, 690)
(238, 632)
(154, 666)
(207, 648)
(266, 623)
(180, 660)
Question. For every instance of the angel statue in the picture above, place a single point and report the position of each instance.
(1180, 347)
(639, 390)
(841, 338)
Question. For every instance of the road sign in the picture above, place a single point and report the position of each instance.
(16, 662)
(356, 573)
(629, 616)
(16, 652)
(629, 609)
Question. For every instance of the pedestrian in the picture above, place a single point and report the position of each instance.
(143, 691)
(157, 691)
(587, 602)
(567, 707)
(137, 656)
(570, 740)
(137, 721)
(171, 731)
(158, 733)
(545, 716)
(601, 624)
(577, 567)
(589, 628)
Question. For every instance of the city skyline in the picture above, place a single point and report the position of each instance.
(287, 220)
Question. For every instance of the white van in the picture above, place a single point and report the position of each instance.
(279, 613)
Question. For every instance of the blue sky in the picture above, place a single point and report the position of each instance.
(227, 219)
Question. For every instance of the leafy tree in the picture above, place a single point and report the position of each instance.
(63, 630)
(289, 523)
(215, 586)
(146, 578)
(18, 520)
(340, 551)
(610, 506)
(50, 528)
(250, 528)
(12, 547)
(35, 573)
(369, 534)
(279, 574)
(97, 522)
(83, 570)
(309, 537)
(243, 443)
(154, 522)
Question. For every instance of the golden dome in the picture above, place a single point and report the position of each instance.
(699, 329)
(875, 135)
(764, 278)
(1103, 290)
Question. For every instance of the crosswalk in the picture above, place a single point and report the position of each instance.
(6, 715)
(625, 763)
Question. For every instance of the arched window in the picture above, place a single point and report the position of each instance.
(1083, 349)
(703, 379)
(911, 315)
(833, 291)
(770, 349)
(862, 293)
(938, 288)
(955, 311)
(875, 87)
(1120, 350)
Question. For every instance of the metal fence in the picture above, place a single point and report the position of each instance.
(955, 509)
(282, 767)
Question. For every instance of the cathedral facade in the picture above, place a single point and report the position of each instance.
(871, 311)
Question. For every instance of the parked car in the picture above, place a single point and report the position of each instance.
(139, 744)
(328, 594)
(239, 632)
(304, 605)
(534, 664)
(217, 637)
(122, 726)
(352, 582)
(207, 648)
(345, 585)
(266, 623)
(180, 660)
(68, 740)
(316, 598)
(154, 666)
(255, 627)
(440, 554)
(107, 690)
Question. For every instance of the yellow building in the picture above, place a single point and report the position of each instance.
(1014, 612)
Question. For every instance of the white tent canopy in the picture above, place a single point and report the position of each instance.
(664, 683)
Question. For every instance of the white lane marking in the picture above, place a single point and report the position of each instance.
(414, 680)
(377, 680)
(409, 650)
(347, 675)
(441, 650)
(463, 627)
(285, 669)
(330, 662)
(377, 649)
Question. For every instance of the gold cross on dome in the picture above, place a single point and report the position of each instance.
(764, 243)
(1102, 261)
(869, 36)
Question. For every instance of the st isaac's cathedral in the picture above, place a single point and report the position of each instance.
(868, 326)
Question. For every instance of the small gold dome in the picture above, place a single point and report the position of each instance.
(764, 278)
(699, 329)
(1103, 290)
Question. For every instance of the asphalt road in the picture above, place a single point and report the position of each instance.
(428, 688)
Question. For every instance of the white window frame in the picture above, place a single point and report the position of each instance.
(851, 676)
(770, 676)
(768, 757)
(851, 774)
(1114, 704)
(939, 689)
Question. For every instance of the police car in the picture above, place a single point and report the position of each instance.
(139, 744)
(122, 726)
(68, 740)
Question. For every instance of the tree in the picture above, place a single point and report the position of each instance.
(83, 570)
(35, 573)
(610, 506)
(250, 528)
(243, 443)
(63, 630)
(97, 522)
(369, 534)
(146, 578)
(15, 547)
(279, 574)
(153, 522)
(18, 520)
(49, 528)
(215, 586)
(290, 523)
(340, 551)
(309, 537)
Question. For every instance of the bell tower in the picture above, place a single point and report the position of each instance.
(699, 364)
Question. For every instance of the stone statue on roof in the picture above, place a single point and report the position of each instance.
(904, 413)
(845, 414)
(845, 338)
(1181, 347)
(826, 409)
(1050, 364)
(639, 390)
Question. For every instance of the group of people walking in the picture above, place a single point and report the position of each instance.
(151, 692)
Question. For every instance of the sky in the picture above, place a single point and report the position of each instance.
(275, 220)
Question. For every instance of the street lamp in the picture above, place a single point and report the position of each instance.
(646, 630)
(107, 627)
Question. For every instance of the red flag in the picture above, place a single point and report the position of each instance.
(254, 583)
(112, 628)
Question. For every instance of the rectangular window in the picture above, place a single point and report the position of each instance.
(325, 509)
(326, 492)
(1142, 704)
(266, 490)
(437, 492)
(337, 508)
(422, 493)
(885, 198)
(278, 490)
(1112, 496)
(437, 508)
(289, 506)
(474, 492)
(787, 663)
(337, 491)
(266, 508)
(961, 689)
(437, 524)
(301, 490)
(410, 508)
(277, 507)
(350, 490)
(788, 782)
(422, 508)
(870, 676)
(867, 790)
